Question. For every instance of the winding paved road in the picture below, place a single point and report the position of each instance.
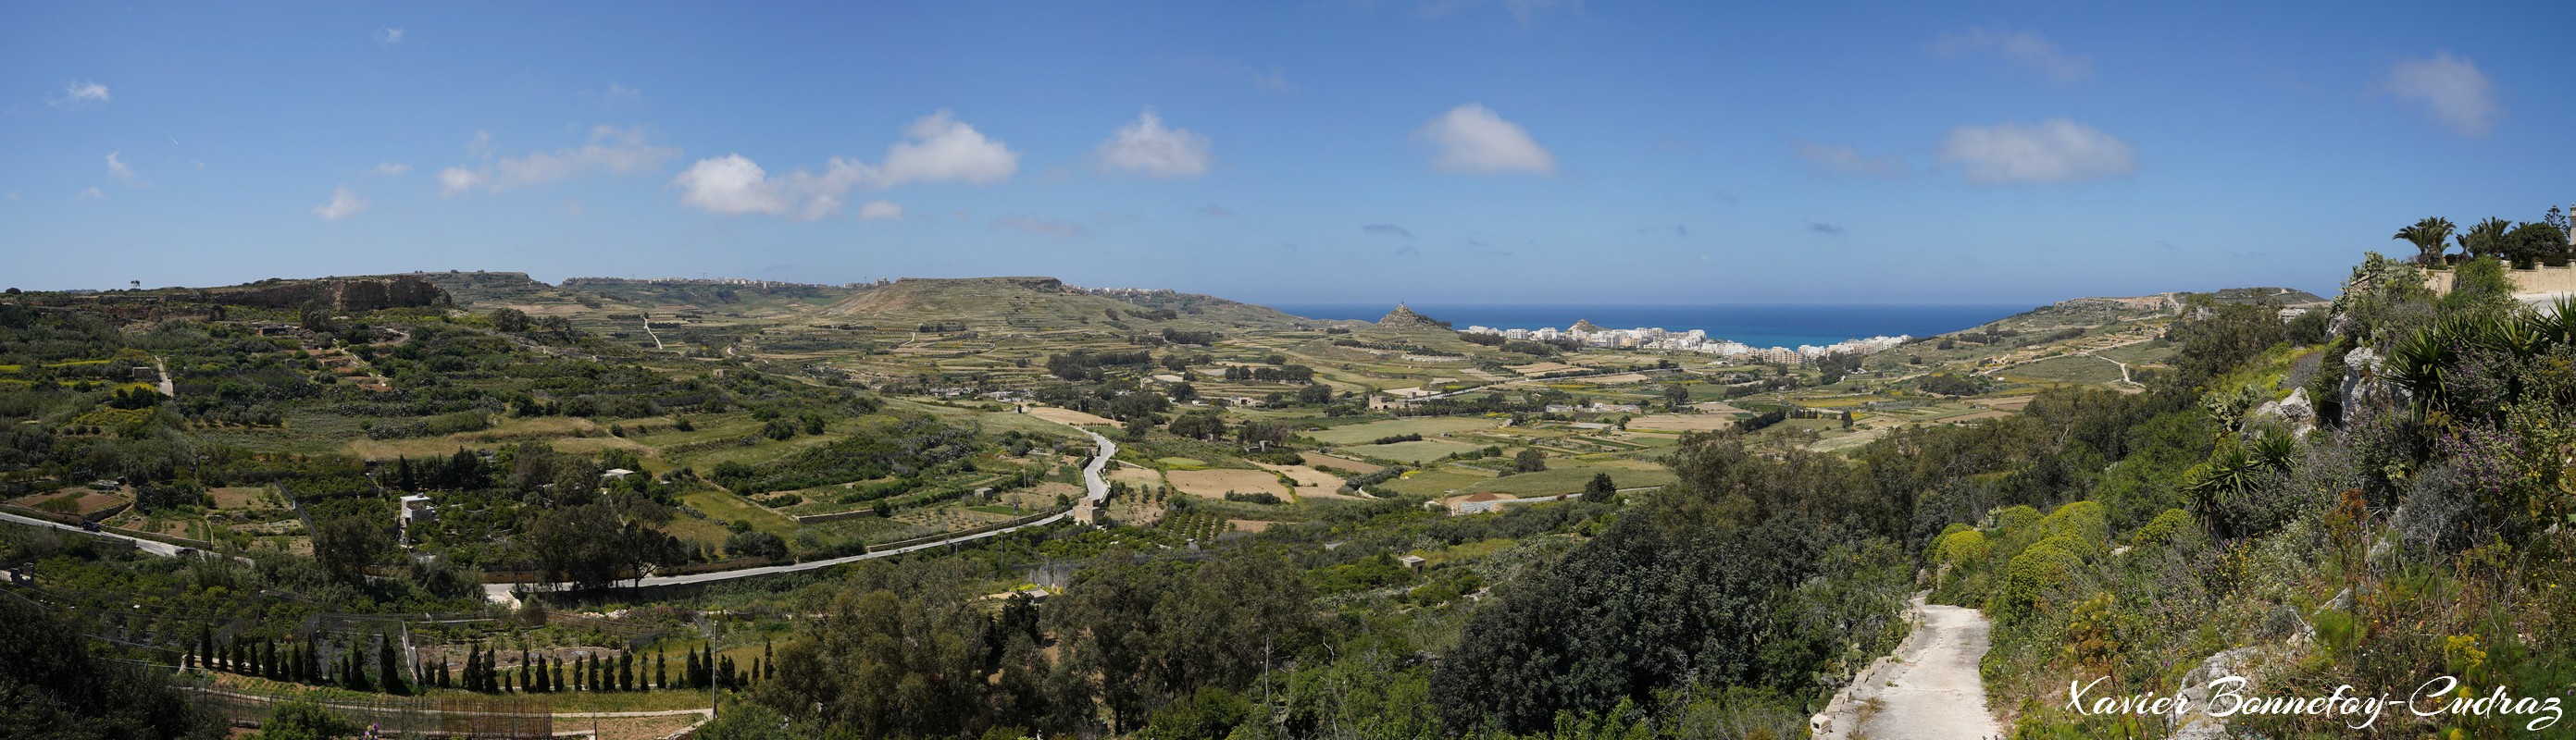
(1098, 492)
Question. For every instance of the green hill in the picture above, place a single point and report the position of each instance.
(1044, 304)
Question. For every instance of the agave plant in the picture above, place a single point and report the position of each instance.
(2424, 364)
(2225, 479)
(2275, 451)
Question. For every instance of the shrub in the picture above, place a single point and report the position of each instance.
(2082, 520)
(1960, 545)
(2165, 528)
(1256, 497)
(755, 544)
(2015, 518)
(2039, 571)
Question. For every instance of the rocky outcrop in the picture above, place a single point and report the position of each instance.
(2296, 411)
(2365, 383)
(2197, 724)
(338, 294)
(1403, 316)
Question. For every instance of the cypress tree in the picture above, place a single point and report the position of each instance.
(626, 672)
(473, 661)
(389, 665)
(689, 678)
(205, 646)
(661, 662)
(555, 666)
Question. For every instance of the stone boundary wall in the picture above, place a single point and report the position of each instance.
(2544, 279)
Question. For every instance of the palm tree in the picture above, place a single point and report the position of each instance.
(2427, 236)
(2485, 239)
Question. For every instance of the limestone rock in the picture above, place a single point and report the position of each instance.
(1403, 316)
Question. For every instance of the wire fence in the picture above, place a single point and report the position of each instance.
(394, 716)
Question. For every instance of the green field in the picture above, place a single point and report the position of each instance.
(2071, 369)
(1434, 482)
(1427, 426)
(1571, 479)
(1411, 452)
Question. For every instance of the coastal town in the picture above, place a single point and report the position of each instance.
(1587, 334)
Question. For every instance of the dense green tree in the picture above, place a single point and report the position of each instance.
(305, 719)
(1529, 460)
(2486, 239)
(51, 686)
(347, 545)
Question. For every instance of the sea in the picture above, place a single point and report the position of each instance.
(1759, 325)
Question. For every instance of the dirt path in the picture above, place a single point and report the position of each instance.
(1927, 690)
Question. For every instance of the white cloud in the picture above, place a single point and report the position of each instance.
(392, 169)
(389, 36)
(880, 210)
(125, 174)
(734, 185)
(612, 150)
(941, 148)
(77, 94)
(618, 91)
(2025, 48)
(1849, 161)
(90, 194)
(1472, 139)
(2056, 150)
(2449, 89)
(343, 204)
(1041, 226)
(1145, 147)
(936, 148)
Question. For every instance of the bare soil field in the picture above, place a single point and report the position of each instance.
(1250, 525)
(1136, 476)
(1683, 422)
(1323, 460)
(1541, 368)
(1619, 379)
(1215, 483)
(1306, 477)
(242, 497)
(91, 502)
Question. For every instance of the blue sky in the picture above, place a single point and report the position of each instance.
(1324, 151)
